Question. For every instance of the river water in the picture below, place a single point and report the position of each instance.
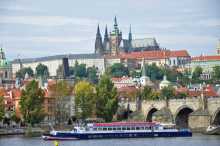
(196, 140)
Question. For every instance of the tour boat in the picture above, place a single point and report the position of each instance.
(118, 130)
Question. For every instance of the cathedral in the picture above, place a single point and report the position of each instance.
(113, 43)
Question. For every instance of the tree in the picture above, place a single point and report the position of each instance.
(181, 95)
(84, 99)
(21, 73)
(42, 70)
(92, 75)
(216, 73)
(118, 70)
(147, 93)
(61, 91)
(80, 70)
(31, 103)
(106, 102)
(2, 108)
(168, 93)
(196, 75)
(154, 72)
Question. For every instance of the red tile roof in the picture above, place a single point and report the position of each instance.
(154, 54)
(206, 58)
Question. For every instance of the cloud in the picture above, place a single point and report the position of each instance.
(48, 20)
(45, 39)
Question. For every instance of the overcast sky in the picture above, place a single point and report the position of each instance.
(33, 28)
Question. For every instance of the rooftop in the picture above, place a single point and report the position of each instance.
(206, 58)
(55, 57)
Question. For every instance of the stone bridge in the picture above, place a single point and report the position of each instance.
(189, 112)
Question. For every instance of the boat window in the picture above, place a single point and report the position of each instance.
(104, 129)
(132, 128)
(114, 128)
(124, 128)
(147, 128)
(100, 129)
(110, 128)
(95, 129)
(142, 128)
(137, 128)
(128, 128)
(119, 128)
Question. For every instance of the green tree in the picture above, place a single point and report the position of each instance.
(2, 108)
(216, 73)
(84, 99)
(168, 93)
(196, 74)
(80, 70)
(92, 75)
(181, 95)
(31, 103)
(61, 91)
(21, 73)
(154, 72)
(42, 70)
(147, 93)
(118, 70)
(106, 102)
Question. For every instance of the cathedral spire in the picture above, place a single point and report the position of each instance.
(106, 32)
(98, 42)
(115, 22)
(130, 35)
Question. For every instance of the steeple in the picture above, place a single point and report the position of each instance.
(2, 54)
(115, 22)
(106, 33)
(106, 40)
(143, 69)
(98, 42)
(130, 35)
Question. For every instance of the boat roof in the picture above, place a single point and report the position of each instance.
(125, 124)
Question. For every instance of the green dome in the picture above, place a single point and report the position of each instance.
(4, 63)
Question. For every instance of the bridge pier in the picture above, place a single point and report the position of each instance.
(199, 120)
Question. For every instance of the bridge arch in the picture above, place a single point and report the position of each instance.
(182, 116)
(216, 117)
(150, 113)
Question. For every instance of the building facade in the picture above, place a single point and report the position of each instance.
(205, 62)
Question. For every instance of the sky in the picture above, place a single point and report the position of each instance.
(35, 28)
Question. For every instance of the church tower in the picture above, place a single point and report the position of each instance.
(218, 48)
(130, 39)
(106, 44)
(115, 38)
(98, 43)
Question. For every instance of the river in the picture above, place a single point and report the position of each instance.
(196, 140)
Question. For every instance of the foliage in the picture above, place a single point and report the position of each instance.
(84, 99)
(42, 70)
(147, 93)
(196, 74)
(118, 70)
(80, 70)
(134, 74)
(92, 75)
(216, 73)
(2, 108)
(106, 102)
(167, 93)
(154, 72)
(61, 91)
(181, 95)
(21, 73)
(31, 103)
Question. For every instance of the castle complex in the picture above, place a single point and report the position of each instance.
(112, 49)
(113, 43)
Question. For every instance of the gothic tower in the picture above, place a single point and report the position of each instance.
(106, 44)
(129, 39)
(98, 43)
(115, 38)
